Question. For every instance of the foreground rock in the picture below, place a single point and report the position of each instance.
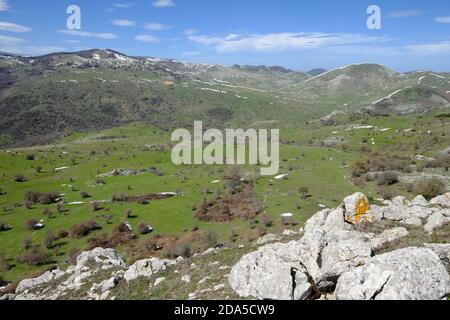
(405, 274)
(418, 212)
(332, 246)
(146, 268)
(54, 284)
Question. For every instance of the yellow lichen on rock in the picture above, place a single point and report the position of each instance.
(362, 206)
(356, 207)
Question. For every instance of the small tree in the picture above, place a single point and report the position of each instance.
(266, 220)
(96, 206)
(85, 195)
(60, 207)
(211, 239)
(48, 213)
(18, 177)
(128, 214)
(27, 243)
(35, 257)
(49, 239)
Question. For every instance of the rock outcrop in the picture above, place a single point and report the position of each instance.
(54, 284)
(337, 257)
(405, 274)
(332, 246)
(418, 212)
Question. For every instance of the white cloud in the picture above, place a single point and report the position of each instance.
(405, 14)
(73, 41)
(44, 49)
(103, 36)
(442, 19)
(4, 5)
(156, 26)
(163, 3)
(31, 51)
(10, 41)
(190, 32)
(430, 49)
(12, 27)
(123, 5)
(147, 38)
(366, 50)
(124, 23)
(281, 41)
(190, 53)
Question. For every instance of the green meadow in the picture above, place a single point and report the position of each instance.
(318, 176)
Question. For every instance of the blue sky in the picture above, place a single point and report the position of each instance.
(297, 34)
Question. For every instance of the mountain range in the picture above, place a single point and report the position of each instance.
(44, 97)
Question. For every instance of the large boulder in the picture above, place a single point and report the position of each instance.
(437, 220)
(273, 272)
(301, 269)
(405, 274)
(443, 201)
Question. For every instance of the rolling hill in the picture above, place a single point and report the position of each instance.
(44, 97)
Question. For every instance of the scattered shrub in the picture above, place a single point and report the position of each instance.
(49, 239)
(27, 243)
(431, 188)
(232, 178)
(28, 204)
(4, 226)
(84, 229)
(129, 214)
(35, 257)
(358, 169)
(121, 235)
(30, 224)
(142, 201)
(30, 157)
(210, 239)
(4, 264)
(304, 192)
(96, 206)
(62, 234)
(48, 213)
(60, 208)
(184, 250)
(441, 162)
(143, 228)
(387, 178)
(85, 195)
(170, 250)
(73, 255)
(19, 177)
(36, 197)
(3, 282)
(386, 193)
(266, 220)
(100, 181)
